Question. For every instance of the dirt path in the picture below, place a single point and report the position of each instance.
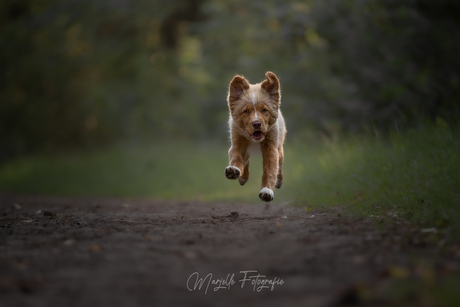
(111, 252)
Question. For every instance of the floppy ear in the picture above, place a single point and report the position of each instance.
(236, 88)
(272, 86)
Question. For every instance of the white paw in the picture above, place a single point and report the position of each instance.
(266, 194)
(232, 172)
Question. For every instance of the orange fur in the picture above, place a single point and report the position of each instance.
(255, 117)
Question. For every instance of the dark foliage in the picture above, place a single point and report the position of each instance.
(79, 73)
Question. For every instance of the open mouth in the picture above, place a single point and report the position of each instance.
(257, 135)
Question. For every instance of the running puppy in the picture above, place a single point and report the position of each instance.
(255, 118)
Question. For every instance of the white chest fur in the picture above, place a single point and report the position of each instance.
(254, 148)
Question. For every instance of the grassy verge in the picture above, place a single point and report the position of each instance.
(414, 174)
(167, 171)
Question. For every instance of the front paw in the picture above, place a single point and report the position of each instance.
(232, 172)
(266, 194)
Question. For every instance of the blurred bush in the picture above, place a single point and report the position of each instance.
(397, 60)
(82, 74)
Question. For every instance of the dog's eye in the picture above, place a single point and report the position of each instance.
(246, 111)
(264, 110)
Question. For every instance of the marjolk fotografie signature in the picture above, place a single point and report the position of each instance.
(251, 277)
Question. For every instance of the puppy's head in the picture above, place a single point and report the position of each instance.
(254, 107)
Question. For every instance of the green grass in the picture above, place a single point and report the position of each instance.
(166, 171)
(414, 174)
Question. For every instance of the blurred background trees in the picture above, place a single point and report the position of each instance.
(80, 74)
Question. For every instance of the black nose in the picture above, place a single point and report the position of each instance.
(256, 124)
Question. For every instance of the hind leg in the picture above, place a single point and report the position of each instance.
(279, 177)
(245, 177)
